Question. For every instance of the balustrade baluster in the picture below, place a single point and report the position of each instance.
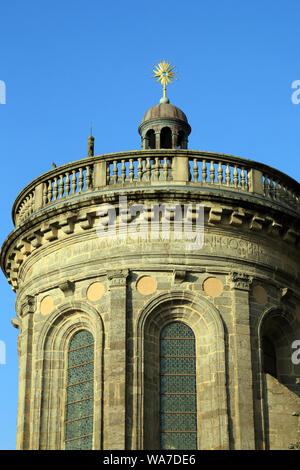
(165, 169)
(74, 182)
(108, 173)
(115, 172)
(25, 208)
(148, 169)
(131, 170)
(80, 180)
(195, 170)
(139, 169)
(235, 177)
(45, 194)
(289, 197)
(31, 204)
(123, 171)
(266, 186)
(243, 178)
(88, 177)
(67, 184)
(278, 191)
(55, 189)
(156, 169)
(204, 171)
(220, 173)
(61, 186)
(212, 172)
(271, 189)
(227, 175)
(50, 190)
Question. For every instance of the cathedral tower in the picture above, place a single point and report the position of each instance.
(157, 298)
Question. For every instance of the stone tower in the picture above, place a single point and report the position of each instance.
(157, 299)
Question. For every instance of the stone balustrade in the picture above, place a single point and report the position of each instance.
(204, 170)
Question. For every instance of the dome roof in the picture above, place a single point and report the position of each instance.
(164, 110)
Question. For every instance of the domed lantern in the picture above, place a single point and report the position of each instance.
(164, 126)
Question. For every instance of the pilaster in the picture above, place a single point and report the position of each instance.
(27, 308)
(243, 427)
(115, 383)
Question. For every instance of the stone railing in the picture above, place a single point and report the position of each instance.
(157, 167)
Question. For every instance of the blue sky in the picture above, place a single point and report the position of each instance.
(66, 63)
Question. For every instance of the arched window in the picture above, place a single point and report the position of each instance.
(166, 138)
(150, 139)
(269, 356)
(80, 392)
(178, 398)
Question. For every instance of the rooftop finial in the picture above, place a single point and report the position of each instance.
(91, 141)
(165, 75)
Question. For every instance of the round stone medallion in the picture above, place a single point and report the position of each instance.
(213, 286)
(260, 294)
(146, 285)
(46, 305)
(95, 291)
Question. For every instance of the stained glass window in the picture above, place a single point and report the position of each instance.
(178, 408)
(80, 392)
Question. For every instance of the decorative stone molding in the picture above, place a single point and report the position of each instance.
(241, 281)
(117, 278)
(25, 247)
(256, 223)
(286, 293)
(275, 228)
(237, 217)
(215, 215)
(26, 239)
(16, 323)
(288, 298)
(88, 220)
(50, 231)
(68, 224)
(28, 305)
(290, 236)
(179, 276)
(67, 288)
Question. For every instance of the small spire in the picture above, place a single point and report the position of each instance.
(91, 141)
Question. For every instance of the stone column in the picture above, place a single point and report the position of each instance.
(145, 143)
(115, 369)
(25, 374)
(243, 427)
(157, 140)
(174, 140)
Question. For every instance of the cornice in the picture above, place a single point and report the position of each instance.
(48, 230)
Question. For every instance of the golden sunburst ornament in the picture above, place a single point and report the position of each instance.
(165, 74)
